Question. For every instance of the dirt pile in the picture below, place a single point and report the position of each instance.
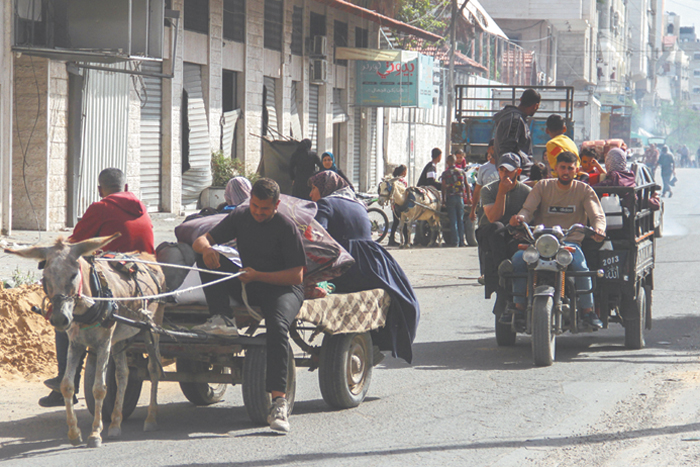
(26, 339)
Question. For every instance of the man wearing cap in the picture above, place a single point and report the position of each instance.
(501, 200)
(562, 201)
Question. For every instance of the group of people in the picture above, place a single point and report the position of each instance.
(557, 192)
(273, 261)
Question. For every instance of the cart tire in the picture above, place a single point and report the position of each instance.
(345, 369)
(201, 393)
(634, 327)
(470, 230)
(544, 340)
(131, 396)
(256, 399)
(505, 336)
(379, 223)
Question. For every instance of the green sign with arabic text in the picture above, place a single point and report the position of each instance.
(395, 84)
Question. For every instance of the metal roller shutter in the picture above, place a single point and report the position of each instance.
(151, 103)
(105, 130)
(313, 116)
(271, 105)
(372, 150)
(295, 120)
(357, 148)
(339, 115)
(198, 177)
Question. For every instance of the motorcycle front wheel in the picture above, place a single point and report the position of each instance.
(544, 339)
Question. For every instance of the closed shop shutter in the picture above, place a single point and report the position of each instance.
(198, 177)
(357, 148)
(339, 115)
(271, 105)
(228, 131)
(151, 102)
(313, 116)
(372, 150)
(104, 139)
(295, 120)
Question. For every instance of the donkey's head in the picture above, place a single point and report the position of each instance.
(390, 189)
(62, 278)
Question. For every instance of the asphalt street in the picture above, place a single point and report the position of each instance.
(463, 401)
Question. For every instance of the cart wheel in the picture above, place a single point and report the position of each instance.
(345, 369)
(424, 234)
(634, 327)
(505, 336)
(380, 224)
(256, 399)
(470, 230)
(131, 396)
(201, 393)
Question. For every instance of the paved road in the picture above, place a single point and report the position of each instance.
(463, 402)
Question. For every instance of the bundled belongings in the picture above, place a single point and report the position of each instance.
(326, 259)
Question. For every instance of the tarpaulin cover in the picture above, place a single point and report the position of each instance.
(275, 162)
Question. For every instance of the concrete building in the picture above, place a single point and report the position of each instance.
(189, 77)
(691, 46)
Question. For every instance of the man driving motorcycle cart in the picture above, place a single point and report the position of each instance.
(561, 201)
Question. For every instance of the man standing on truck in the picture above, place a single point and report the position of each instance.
(561, 201)
(511, 130)
(273, 259)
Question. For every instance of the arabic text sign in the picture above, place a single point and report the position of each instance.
(395, 84)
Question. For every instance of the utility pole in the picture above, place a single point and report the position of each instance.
(451, 74)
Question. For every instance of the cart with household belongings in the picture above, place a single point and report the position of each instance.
(205, 364)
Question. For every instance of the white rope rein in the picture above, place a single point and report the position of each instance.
(228, 275)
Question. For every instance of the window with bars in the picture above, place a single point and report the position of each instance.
(234, 20)
(274, 22)
(317, 24)
(197, 16)
(340, 38)
(361, 38)
(297, 45)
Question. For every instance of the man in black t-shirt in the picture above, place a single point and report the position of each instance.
(273, 258)
(429, 176)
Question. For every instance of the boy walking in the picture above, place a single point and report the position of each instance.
(454, 192)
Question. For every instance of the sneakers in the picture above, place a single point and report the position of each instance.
(278, 415)
(55, 399)
(218, 325)
(592, 319)
(54, 383)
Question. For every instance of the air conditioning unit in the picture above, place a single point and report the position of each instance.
(319, 71)
(317, 46)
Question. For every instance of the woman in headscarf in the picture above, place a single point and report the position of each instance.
(346, 220)
(328, 161)
(237, 190)
(303, 164)
(616, 170)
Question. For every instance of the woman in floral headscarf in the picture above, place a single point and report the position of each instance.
(237, 190)
(346, 220)
(616, 170)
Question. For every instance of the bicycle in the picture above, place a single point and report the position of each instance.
(377, 217)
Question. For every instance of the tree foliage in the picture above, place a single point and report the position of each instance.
(428, 15)
(680, 123)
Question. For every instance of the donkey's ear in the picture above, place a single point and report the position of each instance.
(90, 245)
(35, 252)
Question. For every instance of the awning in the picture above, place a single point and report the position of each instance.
(475, 13)
(381, 19)
(374, 55)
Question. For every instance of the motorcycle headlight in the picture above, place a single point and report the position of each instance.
(547, 245)
(530, 255)
(564, 257)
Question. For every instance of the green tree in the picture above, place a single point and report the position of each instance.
(680, 123)
(429, 15)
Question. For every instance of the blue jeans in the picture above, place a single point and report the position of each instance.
(455, 213)
(578, 264)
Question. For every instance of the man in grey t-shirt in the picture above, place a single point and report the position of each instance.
(487, 173)
(501, 199)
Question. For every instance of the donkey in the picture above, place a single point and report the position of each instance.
(412, 204)
(66, 281)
